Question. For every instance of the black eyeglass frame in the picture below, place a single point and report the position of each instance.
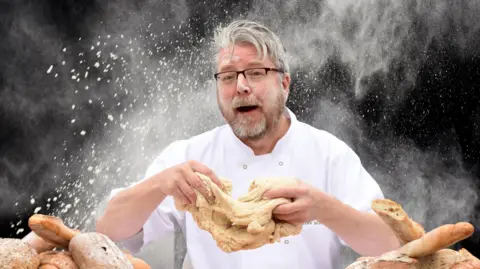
(243, 71)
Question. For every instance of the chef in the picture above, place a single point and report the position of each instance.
(262, 138)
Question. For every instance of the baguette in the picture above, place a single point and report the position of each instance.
(437, 239)
(405, 229)
(52, 230)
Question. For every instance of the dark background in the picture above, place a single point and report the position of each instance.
(416, 121)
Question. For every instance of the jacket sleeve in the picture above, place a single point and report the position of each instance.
(165, 218)
(349, 181)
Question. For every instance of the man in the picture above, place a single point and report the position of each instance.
(263, 138)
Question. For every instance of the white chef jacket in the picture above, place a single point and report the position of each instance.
(304, 152)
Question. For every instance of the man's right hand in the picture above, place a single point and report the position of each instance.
(180, 181)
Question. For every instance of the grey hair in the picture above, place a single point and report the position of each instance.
(266, 42)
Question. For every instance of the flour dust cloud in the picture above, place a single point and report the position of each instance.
(142, 77)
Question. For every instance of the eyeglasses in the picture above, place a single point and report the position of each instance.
(251, 75)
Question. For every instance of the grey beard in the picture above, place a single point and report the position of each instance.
(261, 129)
(240, 129)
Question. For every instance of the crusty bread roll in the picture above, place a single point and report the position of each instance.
(392, 265)
(15, 253)
(57, 260)
(466, 265)
(393, 260)
(392, 213)
(48, 266)
(390, 260)
(465, 253)
(37, 243)
(439, 238)
(471, 262)
(136, 262)
(442, 259)
(360, 264)
(52, 230)
(97, 251)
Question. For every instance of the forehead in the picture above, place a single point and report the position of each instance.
(238, 56)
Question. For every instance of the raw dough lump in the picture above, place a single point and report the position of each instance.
(245, 223)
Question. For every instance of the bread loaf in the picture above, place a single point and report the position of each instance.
(136, 262)
(57, 260)
(15, 253)
(97, 251)
(52, 230)
(442, 259)
(392, 213)
(37, 243)
(439, 238)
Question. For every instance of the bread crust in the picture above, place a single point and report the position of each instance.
(392, 213)
(37, 243)
(57, 260)
(437, 239)
(15, 253)
(94, 251)
(52, 230)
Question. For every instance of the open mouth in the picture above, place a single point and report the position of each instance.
(244, 109)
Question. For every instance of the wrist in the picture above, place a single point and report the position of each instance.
(158, 185)
(327, 208)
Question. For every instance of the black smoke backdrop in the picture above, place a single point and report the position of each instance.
(90, 92)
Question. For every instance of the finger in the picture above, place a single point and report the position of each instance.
(214, 178)
(202, 169)
(178, 194)
(296, 221)
(195, 181)
(289, 208)
(292, 216)
(285, 192)
(187, 191)
(295, 218)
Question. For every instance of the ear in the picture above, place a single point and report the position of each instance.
(286, 83)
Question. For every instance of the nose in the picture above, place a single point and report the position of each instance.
(242, 85)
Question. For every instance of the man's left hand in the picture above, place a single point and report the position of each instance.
(304, 205)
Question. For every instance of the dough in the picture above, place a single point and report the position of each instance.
(245, 223)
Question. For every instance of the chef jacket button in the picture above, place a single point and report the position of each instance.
(286, 241)
(280, 163)
(244, 166)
